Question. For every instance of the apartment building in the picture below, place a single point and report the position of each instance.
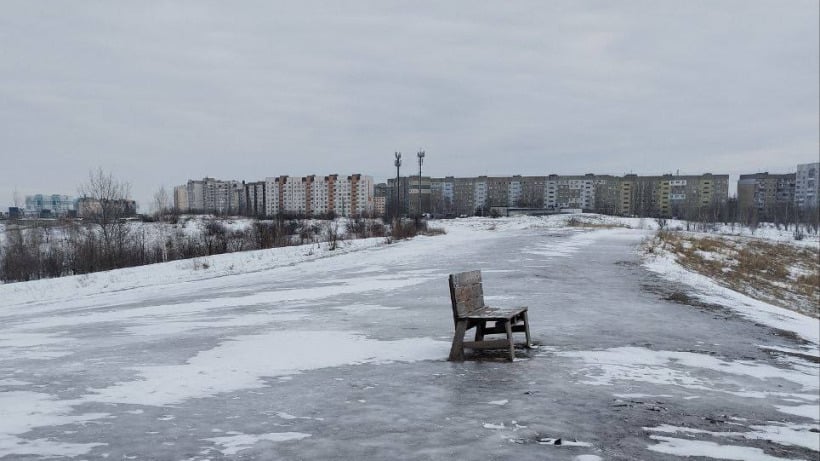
(312, 195)
(380, 205)
(684, 196)
(210, 195)
(588, 192)
(667, 195)
(361, 194)
(52, 205)
(92, 208)
(254, 202)
(570, 192)
(528, 191)
(762, 193)
(807, 186)
(181, 198)
(450, 196)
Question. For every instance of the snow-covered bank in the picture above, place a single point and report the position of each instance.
(708, 291)
(186, 270)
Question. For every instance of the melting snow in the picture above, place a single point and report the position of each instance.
(233, 444)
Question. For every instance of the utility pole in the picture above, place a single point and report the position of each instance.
(397, 162)
(421, 160)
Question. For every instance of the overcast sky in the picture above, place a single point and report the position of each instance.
(160, 92)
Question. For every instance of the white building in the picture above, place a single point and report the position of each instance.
(514, 192)
(181, 198)
(807, 185)
(55, 204)
(480, 193)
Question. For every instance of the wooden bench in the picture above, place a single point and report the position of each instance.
(469, 310)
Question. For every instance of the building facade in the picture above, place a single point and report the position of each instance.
(667, 195)
(807, 186)
(210, 195)
(312, 195)
(54, 205)
(181, 198)
(763, 194)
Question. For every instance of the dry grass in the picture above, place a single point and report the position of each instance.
(576, 222)
(777, 273)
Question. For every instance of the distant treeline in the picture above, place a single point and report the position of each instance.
(34, 251)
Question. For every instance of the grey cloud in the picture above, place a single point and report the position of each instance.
(159, 92)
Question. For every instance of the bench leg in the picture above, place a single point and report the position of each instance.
(508, 328)
(457, 349)
(479, 330)
(527, 330)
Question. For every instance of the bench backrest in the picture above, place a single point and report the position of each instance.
(466, 293)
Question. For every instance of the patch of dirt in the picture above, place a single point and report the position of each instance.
(683, 298)
(807, 357)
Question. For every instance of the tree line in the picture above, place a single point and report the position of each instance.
(109, 238)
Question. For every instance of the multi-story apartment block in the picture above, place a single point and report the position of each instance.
(195, 195)
(254, 202)
(481, 194)
(380, 205)
(419, 194)
(570, 192)
(443, 196)
(92, 208)
(316, 195)
(531, 194)
(763, 193)
(181, 198)
(222, 196)
(210, 195)
(668, 195)
(684, 196)
(361, 194)
(807, 186)
(49, 205)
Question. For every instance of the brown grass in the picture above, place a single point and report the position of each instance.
(757, 268)
(576, 222)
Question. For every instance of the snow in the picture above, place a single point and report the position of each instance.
(237, 364)
(795, 435)
(25, 410)
(493, 426)
(685, 447)
(806, 411)
(233, 444)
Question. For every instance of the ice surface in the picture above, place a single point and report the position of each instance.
(325, 334)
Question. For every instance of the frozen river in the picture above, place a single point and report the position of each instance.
(344, 358)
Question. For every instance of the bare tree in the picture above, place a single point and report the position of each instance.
(105, 204)
(162, 203)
